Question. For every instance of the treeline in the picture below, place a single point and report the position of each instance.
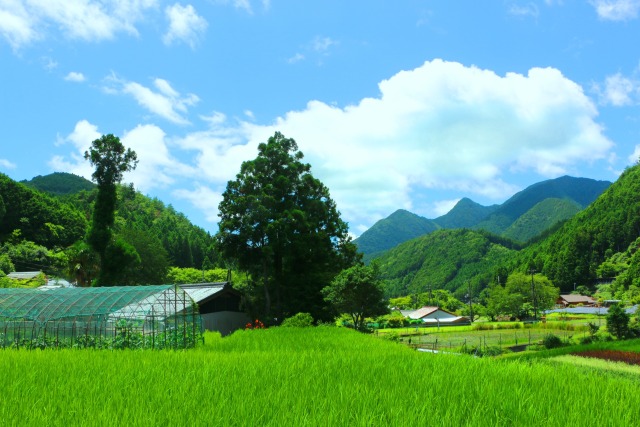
(41, 231)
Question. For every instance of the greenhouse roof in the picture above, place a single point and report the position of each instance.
(44, 304)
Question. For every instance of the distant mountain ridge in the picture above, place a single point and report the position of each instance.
(522, 217)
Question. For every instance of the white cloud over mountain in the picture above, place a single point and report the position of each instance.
(439, 126)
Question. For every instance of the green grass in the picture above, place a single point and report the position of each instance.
(302, 377)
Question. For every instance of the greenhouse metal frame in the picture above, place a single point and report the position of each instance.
(162, 316)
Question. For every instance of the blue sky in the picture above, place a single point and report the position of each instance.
(396, 104)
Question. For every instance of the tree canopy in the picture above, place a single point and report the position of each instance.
(280, 225)
(357, 291)
(111, 160)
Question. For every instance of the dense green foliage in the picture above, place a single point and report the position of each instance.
(60, 183)
(581, 190)
(398, 227)
(542, 216)
(305, 377)
(111, 160)
(42, 232)
(39, 218)
(280, 225)
(445, 259)
(523, 296)
(618, 321)
(358, 292)
(573, 254)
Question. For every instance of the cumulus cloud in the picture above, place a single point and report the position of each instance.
(185, 25)
(91, 20)
(74, 76)
(618, 91)
(617, 10)
(204, 198)
(157, 167)
(6, 164)
(441, 126)
(165, 101)
(442, 207)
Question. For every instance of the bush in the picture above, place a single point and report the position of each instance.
(551, 341)
(300, 320)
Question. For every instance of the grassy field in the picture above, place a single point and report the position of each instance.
(483, 335)
(304, 377)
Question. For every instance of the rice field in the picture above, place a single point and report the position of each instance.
(303, 377)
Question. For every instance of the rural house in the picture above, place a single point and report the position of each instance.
(575, 300)
(437, 316)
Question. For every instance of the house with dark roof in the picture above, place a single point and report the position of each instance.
(572, 300)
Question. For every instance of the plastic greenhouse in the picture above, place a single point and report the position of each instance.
(162, 316)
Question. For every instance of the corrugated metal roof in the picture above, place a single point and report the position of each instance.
(23, 274)
(201, 291)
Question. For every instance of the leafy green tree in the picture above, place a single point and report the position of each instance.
(111, 160)
(300, 320)
(618, 321)
(522, 296)
(357, 291)
(281, 226)
(83, 264)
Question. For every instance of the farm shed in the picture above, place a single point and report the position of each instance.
(220, 306)
(108, 317)
(572, 300)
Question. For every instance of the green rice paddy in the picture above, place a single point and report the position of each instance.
(304, 377)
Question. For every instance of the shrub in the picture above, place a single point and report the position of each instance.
(551, 341)
(300, 320)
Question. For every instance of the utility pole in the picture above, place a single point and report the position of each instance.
(470, 302)
(533, 296)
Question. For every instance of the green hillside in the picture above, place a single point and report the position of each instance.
(573, 254)
(465, 214)
(581, 190)
(542, 216)
(60, 183)
(445, 259)
(44, 232)
(398, 227)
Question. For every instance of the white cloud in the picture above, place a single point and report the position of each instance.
(166, 103)
(618, 91)
(22, 22)
(75, 76)
(322, 44)
(295, 58)
(6, 164)
(442, 207)
(440, 126)
(529, 9)
(185, 25)
(157, 167)
(204, 198)
(635, 156)
(617, 10)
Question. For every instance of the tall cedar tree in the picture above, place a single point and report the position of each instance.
(280, 225)
(111, 160)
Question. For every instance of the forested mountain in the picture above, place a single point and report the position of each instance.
(583, 191)
(445, 259)
(600, 240)
(41, 231)
(465, 214)
(39, 217)
(524, 216)
(398, 227)
(609, 225)
(60, 183)
(542, 216)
